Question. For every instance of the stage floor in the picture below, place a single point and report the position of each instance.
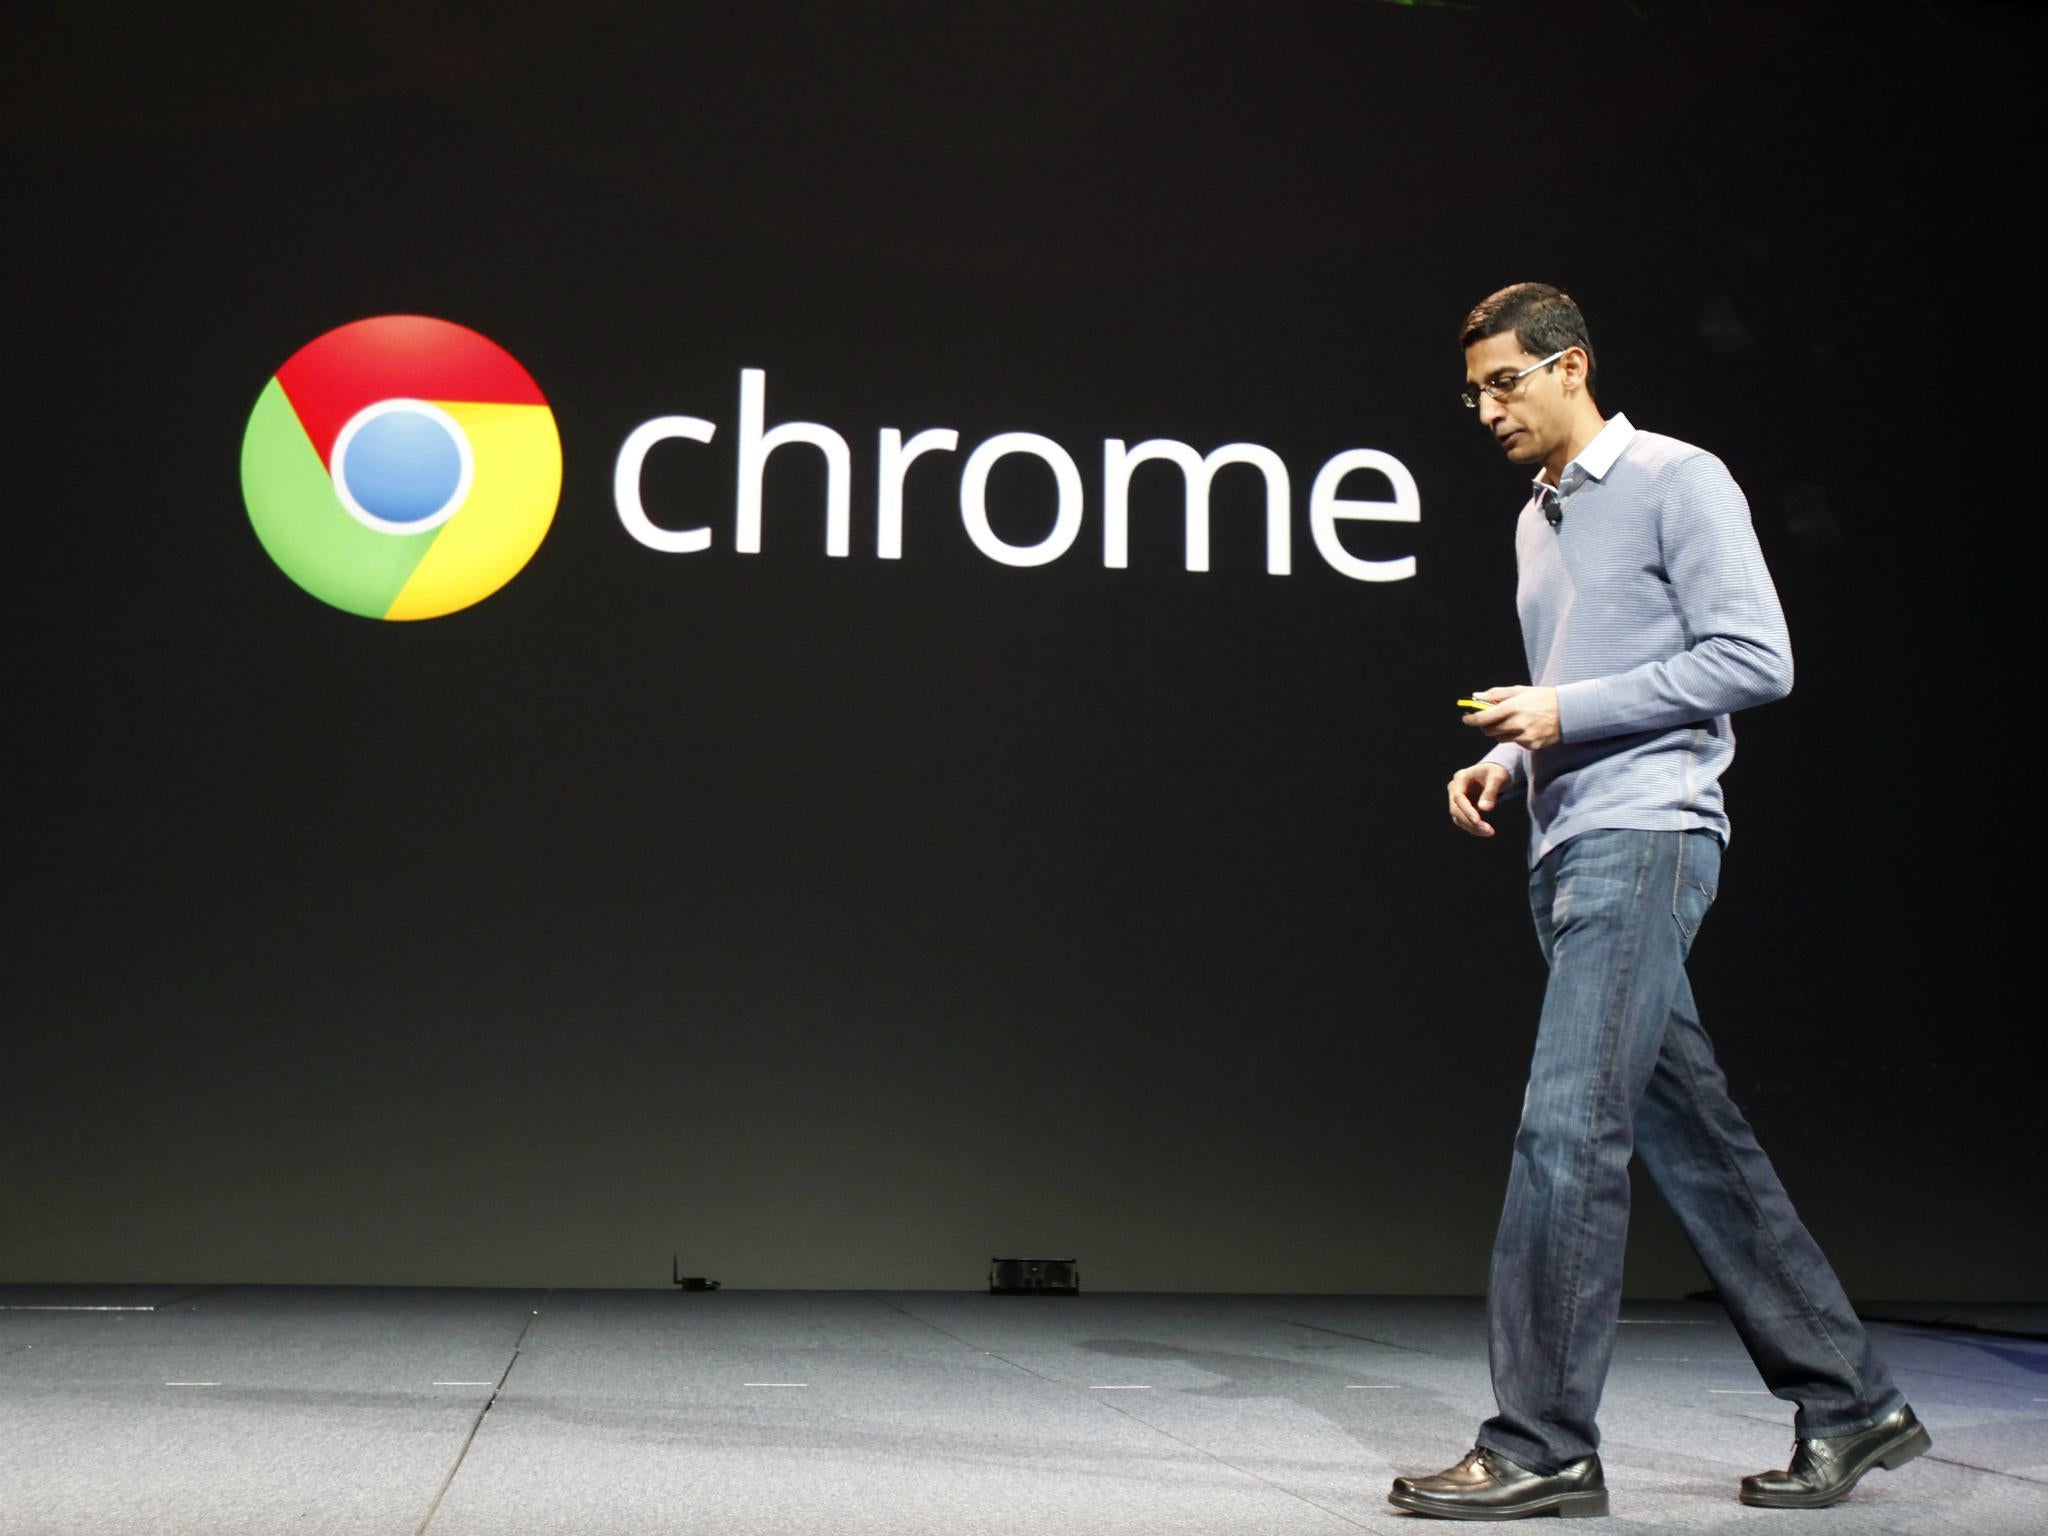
(314, 1410)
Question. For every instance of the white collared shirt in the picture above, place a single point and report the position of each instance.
(1593, 462)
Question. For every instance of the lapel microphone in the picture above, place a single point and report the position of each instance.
(1553, 507)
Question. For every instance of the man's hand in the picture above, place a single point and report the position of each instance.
(1474, 792)
(1523, 715)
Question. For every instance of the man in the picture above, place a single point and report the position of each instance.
(1648, 618)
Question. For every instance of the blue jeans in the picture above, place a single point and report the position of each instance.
(1622, 1066)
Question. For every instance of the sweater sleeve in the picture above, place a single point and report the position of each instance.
(1737, 653)
(1515, 759)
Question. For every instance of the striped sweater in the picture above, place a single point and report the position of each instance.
(1648, 607)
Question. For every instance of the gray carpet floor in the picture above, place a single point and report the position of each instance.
(526, 1413)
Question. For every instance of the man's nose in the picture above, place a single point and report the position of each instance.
(1489, 410)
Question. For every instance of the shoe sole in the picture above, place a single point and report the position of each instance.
(1569, 1505)
(1891, 1456)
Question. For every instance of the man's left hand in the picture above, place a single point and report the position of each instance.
(1523, 715)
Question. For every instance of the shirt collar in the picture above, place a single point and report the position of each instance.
(1594, 460)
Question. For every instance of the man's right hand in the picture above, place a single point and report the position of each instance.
(1473, 793)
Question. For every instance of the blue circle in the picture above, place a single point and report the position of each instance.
(402, 466)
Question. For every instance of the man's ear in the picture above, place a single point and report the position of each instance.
(1573, 367)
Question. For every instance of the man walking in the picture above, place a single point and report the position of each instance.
(1648, 618)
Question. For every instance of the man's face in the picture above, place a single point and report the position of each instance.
(1534, 418)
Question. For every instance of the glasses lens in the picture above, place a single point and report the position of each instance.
(1470, 397)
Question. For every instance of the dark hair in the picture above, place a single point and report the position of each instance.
(1544, 320)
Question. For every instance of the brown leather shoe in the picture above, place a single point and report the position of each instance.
(1823, 1471)
(1487, 1486)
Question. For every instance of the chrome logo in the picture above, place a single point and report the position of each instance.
(401, 467)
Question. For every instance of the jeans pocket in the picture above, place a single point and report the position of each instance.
(1699, 874)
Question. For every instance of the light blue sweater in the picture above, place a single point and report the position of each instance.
(1649, 609)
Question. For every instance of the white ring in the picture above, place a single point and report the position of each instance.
(440, 514)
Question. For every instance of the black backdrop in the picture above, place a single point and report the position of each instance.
(842, 922)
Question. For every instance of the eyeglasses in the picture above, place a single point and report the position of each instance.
(1501, 388)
